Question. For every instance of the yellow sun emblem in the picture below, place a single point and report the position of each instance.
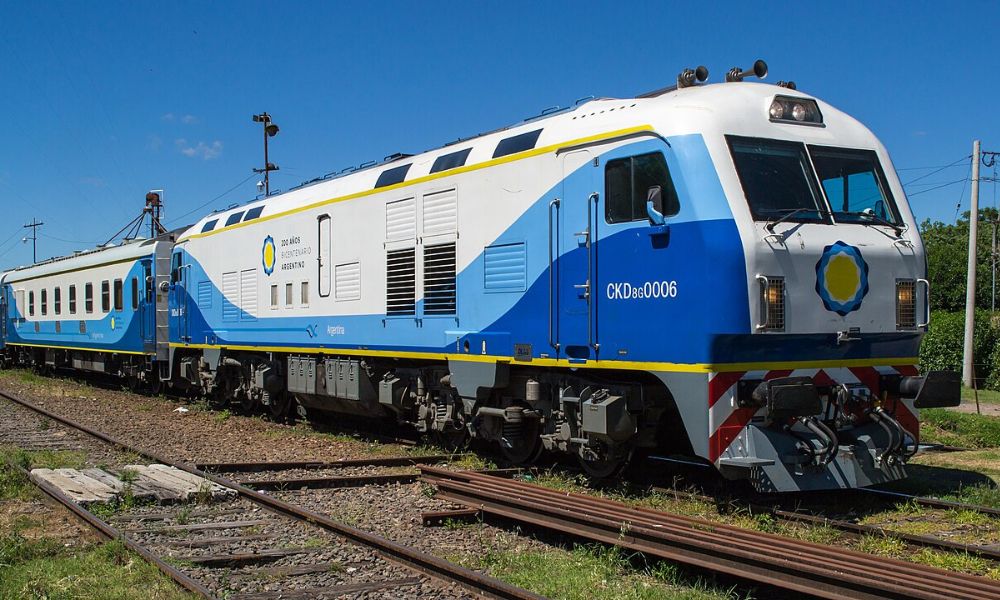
(269, 255)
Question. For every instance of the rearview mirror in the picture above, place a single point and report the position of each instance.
(654, 205)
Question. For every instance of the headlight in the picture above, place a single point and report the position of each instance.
(777, 109)
(786, 109)
(772, 303)
(906, 303)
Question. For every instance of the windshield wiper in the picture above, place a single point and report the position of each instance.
(867, 218)
(791, 212)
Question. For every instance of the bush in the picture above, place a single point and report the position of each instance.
(942, 347)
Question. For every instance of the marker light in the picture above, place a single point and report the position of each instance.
(804, 111)
(772, 300)
(906, 303)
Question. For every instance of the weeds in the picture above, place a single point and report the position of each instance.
(959, 429)
(592, 571)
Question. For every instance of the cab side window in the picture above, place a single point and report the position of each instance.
(627, 182)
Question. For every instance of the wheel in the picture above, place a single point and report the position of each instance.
(455, 435)
(522, 445)
(608, 466)
(281, 406)
(249, 404)
(135, 385)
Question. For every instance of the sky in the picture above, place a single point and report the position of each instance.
(102, 101)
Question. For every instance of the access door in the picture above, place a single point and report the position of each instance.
(3, 317)
(179, 296)
(323, 258)
(146, 308)
(577, 215)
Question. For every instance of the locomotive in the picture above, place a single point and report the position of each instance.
(727, 271)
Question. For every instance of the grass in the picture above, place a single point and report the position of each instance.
(959, 429)
(39, 565)
(592, 572)
(952, 561)
(985, 396)
(14, 484)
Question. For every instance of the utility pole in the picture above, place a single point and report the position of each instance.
(34, 225)
(968, 371)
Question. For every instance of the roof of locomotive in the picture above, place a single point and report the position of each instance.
(701, 108)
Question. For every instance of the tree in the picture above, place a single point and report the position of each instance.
(947, 248)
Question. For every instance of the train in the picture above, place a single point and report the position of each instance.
(726, 271)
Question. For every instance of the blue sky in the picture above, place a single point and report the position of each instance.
(102, 101)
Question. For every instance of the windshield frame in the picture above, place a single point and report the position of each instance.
(893, 215)
(820, 214)
(825, 213)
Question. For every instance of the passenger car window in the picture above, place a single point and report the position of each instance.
(88, 295)
(627, 182)
(105, 296)
(777, 180)
(855, 184)
(119, 295)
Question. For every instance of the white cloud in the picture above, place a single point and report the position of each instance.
(96, 182)
(200, 150)
(185, 119)
(154, 142)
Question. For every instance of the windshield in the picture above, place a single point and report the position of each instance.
(854, 184)
(777, 179)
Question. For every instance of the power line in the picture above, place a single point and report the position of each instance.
(938, 187)
(223, 194)
(59, 239)
(954, 164)
(926, 175)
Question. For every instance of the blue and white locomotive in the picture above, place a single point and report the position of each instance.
(726, 271)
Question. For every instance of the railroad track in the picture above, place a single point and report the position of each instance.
(848, 527)
(239, 541)
(794, 565)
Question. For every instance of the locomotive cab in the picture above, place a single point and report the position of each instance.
(838, 301)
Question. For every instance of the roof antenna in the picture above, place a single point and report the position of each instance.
(759, 71)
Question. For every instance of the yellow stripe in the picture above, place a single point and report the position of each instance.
(75, 348)
(561, 362)
(433, 176)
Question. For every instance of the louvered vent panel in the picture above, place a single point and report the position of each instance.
(248, 295)
(440, 213)
(204, 294)
(230, 295)
(440, 296)
(401, 281)
(401, 220)
(348, 281)
(505, 268)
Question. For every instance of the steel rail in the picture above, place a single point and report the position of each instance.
(314, 483)
(112, 533)
(847, 526)
(771, 547)
(426, 563)
(799, 566)
(934, 502)
(388, 461)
